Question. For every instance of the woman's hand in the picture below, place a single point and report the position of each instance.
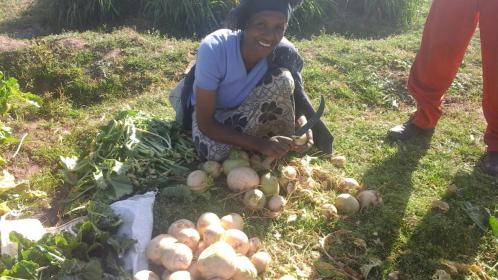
(276, 146)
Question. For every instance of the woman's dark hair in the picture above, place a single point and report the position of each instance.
(240, 15)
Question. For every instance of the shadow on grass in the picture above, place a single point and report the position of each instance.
(31, 22)
(453, 236)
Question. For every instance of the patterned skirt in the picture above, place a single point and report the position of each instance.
(267, 111)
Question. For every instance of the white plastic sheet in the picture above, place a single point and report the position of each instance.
(30, 228)
(137, 215)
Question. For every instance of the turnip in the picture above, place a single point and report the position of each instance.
(145, 275)
(156, 246)
(287, 277)
(179, 275)
(338, 161)
(254, 199)
(212, 233)
(289, 172)
(178, 225)
(189, 237)
(301, 140)
(244, 269)
(205, 220)
(241, 179)
(238, 154)
(291, 187)
(254, 246)
(230, 164)
(269, 184)
(176, 256)
(261, 261)
(237, 239)
(368, 198)
(328, 210)
(347, 204)
(349, 184)
(213, 168)
(232, 221)
(276, 203)
(199, 181)
(200, 247)
(258, 164)
(217, 260)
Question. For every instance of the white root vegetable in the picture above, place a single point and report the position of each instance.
(212, 233)
(177, 256)
(287, 277)
(230, 164)
(179, 275)
(237, 239)
(232, 221)
(269, 184)
(241, 179)
(213, 168)
(329, 211)
(217, 260)
(254, 199)
(194, 271)
(368, 198)
(200, 247)
(276, 203)
(156, 246)
(205, 220)
(261, 261)
(347, 204)
(189, 237)
(338, 161)
(244, 269)
(238, 155)
(301, 140)
(349, 184)
(254, 245)
(198, 180)
(178, 225)
(145, 275)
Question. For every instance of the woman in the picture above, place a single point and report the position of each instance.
(239, 97)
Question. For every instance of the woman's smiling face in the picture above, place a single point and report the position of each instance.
(263, 32)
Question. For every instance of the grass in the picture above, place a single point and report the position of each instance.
(363, 82)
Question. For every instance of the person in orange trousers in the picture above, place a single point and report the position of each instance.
(447, 33)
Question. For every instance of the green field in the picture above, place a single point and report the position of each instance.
(84, 77)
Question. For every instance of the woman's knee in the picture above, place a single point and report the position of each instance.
(283, 77)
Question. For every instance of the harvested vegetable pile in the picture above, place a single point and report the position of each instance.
(132, 153)
(90, 253)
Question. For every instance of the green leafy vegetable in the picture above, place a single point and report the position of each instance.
(131, 153)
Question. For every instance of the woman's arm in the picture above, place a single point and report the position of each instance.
(205, 107)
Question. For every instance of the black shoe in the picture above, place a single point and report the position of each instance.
(489, 163)
(407, 131)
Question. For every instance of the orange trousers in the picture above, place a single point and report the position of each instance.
(447, 33)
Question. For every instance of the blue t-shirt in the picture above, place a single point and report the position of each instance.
(220, 67)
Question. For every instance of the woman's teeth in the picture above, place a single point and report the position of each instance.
(264, 45)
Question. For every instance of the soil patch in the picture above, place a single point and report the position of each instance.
(8, 44)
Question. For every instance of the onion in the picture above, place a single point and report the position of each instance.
(176, 256)
(261, 261)
(241, 179)
(156, 246)
(276, 203)
(145, 275)
(347, 204)
(178, 225)
(205, 220)
(232, 220)
(254, 199)
(269, 184)
(212, 168)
